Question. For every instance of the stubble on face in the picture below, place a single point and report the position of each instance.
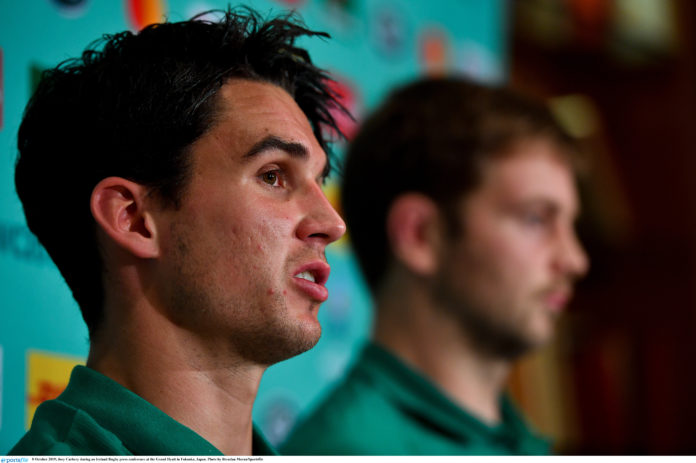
(255, 323)
(503, 275)
(252, 218)
(495, 334)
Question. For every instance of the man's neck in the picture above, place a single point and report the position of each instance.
(434, 344)
(183, 376)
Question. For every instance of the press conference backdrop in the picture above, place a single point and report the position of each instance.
(376, 44)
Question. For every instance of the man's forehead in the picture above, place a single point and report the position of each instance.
(255, 110)
(532, 171)
(238, 87)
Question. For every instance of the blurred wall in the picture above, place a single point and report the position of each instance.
(376, 44)
(624, 73)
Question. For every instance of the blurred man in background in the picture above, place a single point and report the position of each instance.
(460, 201)
(174, 177)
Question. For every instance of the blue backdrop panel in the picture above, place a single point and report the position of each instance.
(376, 44)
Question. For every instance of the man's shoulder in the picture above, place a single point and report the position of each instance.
(383, 408)
(61, 429)
(339, 424)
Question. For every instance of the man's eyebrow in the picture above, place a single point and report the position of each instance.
(272, 142)
(547, 204)
(554, 207)
(294, 149)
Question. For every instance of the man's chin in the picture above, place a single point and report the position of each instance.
(534, 341)
(296, 341)
(518, 344)
(306, 339)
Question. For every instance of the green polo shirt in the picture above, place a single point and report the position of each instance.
(384, 407)
(97, 416)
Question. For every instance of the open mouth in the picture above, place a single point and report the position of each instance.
(315, 272)
(306, 275)
(311, 278)
(557, 301)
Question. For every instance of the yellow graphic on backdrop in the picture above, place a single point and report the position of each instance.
(47, 376)
(333, 194)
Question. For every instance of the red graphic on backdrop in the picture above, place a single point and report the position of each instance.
(434, 50)
(292, 2)
(142, 13)
(47, 391)
(347, 96)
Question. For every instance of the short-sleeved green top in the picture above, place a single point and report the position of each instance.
(384, 407)
(97, 416)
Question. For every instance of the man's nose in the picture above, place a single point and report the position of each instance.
(573, 259)
(321, 221)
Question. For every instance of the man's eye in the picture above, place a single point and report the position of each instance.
(535, 219)
(271, 177)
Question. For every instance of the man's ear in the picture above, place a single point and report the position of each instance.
(413, 230)
(119, 207)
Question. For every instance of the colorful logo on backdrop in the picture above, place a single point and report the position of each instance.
(347, 95)
(333, 194)
(47, 376)
(203, 11)
(142, 13)
(477, 62)
(349, 7)
(18, 241)
(351, 100)
(71, 8)
(434, 50)
(341, 17)
(278, 418)
(293, 3)
(390, 31)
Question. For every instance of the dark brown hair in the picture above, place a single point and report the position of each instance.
(131, 106)
(430, 137)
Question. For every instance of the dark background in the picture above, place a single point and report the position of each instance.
(630, 340)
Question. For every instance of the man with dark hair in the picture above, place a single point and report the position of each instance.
(466, 240)
(185, 163)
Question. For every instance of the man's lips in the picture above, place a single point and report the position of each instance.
(556, 300)
(311, 278)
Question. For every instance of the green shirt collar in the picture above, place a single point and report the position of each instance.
(422, 399)
(143, 428)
